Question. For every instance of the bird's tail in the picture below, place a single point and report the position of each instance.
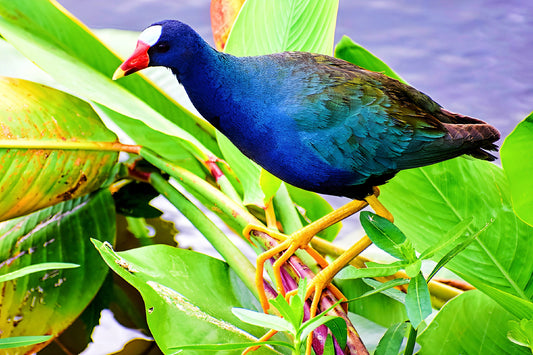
(476, 139)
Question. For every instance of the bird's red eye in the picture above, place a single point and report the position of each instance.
(161, 47)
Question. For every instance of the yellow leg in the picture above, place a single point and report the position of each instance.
(296, 240)
(323, 279)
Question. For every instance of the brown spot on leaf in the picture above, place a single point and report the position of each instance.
(67, 195)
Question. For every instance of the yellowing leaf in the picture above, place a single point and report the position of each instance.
(53, 147)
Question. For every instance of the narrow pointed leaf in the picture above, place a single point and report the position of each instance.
(263, 320)
(383, 233)
(338, 326)
(286, 310)
(372, 270)
(382, 287)
(391, 342)
(76, 159)
(448, 240)
(21, 341)
(230, 346)
(389, 292)
(452, 253)
(417, 301)
(36, 268)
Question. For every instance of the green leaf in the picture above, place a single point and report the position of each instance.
(283, 25)
(521, 333)
(264, 320)
(15, 342)
(352, 52)
(288, 311)
(372, 307)
(58, 43)
(446, 194)
(517, 162)
(381, 287)
(372, 270)
(450, 239)
(383, 233)
(269, 185)
(337, 324)
(517, 306)
(391, 342)
(452, 253)
(246, 170)
(35, 268)
(413, 268)
(53, 147)
(48, 303)
(329, 347)
(389, 292)
(175, 305)
(471, 323)
(417, 301)
(338, 328)
(168, 146)
(230, 346)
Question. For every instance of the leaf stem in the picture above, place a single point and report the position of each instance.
(233, 256)
(190, 181)
(68, 145)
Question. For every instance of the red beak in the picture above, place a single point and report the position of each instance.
(138, 60)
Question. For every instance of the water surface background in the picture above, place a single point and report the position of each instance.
(472, 57)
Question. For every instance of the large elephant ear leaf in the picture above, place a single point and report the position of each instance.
(47, 302)
(53, 147)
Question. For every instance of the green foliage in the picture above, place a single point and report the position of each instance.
(392, 340)
(174, 307)
(521, 333)
(290, 25)
(457, 213)
(31, 243)
(16, 342)
(469, 324)
(517, 161)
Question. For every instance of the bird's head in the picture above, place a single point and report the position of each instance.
(166, 43)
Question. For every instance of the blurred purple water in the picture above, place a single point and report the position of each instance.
(472, 57)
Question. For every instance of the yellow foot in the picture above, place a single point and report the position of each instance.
(287, 246)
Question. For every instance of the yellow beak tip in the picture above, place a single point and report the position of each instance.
(119, 73)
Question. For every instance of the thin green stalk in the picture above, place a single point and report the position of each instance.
(411, 341)
(233, 256)
(68, 145)
(190, 181)
(286, 212)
